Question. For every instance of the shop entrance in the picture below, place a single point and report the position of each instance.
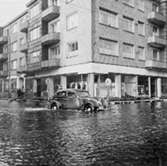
(38, 87)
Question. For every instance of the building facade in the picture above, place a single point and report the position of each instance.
(109, 47)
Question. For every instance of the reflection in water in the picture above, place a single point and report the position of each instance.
(130, 135)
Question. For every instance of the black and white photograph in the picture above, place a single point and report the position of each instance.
(83, 82)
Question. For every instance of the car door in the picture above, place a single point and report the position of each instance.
(72, 100)
(61, 98)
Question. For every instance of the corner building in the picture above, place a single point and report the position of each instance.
(84, 44)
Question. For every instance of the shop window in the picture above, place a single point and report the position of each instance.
(77, 82)
(164, 86)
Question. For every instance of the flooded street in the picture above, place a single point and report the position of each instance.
(125, 135)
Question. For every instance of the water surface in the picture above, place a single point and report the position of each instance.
(125, 135)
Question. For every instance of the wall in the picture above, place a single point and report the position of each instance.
(82, 33)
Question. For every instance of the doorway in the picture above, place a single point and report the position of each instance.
(153, 87)
(38, 87)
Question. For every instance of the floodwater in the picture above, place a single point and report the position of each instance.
(125, 135)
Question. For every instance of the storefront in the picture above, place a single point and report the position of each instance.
(164, 87)
(143, 86)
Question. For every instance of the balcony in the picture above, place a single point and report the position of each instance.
(51, 63)
(24, 27)
(51, 38)
(3, 57)
(3, 40)
(3, 73)
(50, 13)
(152, 64)
(24, 47)
(22, 69)
(156, 41)
(157, 18)
(34, 67)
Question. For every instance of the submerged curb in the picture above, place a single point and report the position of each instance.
(137, 101)
(104, 101)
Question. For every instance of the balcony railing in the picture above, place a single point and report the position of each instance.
(156, 18)
(3, 40)
(51, 38)
(22, 69)
(51, 63)
(152, 64)
(51, 13)
(24, 26)
(24, 47)
(34, 66)
(157, 41)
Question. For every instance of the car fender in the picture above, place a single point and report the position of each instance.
(91, 102)
(56, 102)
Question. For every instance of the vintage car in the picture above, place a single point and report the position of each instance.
(74, 99)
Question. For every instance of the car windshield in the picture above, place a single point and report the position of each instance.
(83, 94)
(60, 94)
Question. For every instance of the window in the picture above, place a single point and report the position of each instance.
(5, 49)
(141, 5)
(128, 50)
(72, 21)
(54, 3)
(109, 47)
(73, 46)
(73, 49)
(5, 67)
(14, 64)
(156, 54)
(141, 28)
(24, 19)
(34, 57)
(141, 53)
(155, 7)
(129, 2)
(35, 10)
(55, 27)
(128, 24)
(22, 41)
(155, 30)
(35, 34)
(14, 46)
(14, 28)
(21, 61)
(108, 18)
(54, 51)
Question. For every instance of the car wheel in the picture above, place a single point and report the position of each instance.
(88, 108)
(54, 107)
